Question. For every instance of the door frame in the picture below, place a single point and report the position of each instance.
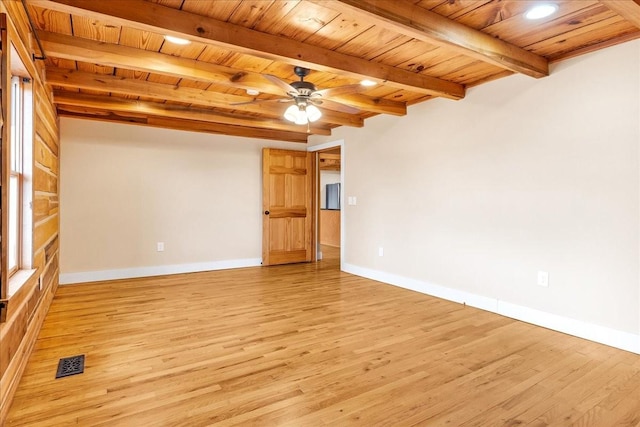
(316, 183)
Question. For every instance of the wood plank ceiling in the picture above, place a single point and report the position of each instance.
(109, 60)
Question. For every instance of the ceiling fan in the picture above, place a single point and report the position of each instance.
(306, 97)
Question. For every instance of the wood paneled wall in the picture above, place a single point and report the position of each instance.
(28, 307)
(330, 228)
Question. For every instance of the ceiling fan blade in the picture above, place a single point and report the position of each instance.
(281, 84)
(335, 106)
(340, 90)
(263, 101)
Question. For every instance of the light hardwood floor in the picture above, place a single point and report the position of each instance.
(307, 345)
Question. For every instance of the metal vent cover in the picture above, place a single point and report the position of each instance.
(70, 366)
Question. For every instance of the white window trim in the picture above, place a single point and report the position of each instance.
(22, 128)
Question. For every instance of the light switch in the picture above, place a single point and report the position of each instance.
(543, 279)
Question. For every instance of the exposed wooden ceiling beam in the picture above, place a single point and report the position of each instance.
(414, 21)
(112, 55)
(628, 9)
(114, 84)
(178, 124)
(165, 20)
(175, 112)
(374, 105)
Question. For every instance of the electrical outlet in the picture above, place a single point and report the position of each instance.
(380, 251)
(160, 246)
(543, 279)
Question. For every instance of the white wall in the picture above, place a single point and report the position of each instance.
(470, 199)
(124, 188)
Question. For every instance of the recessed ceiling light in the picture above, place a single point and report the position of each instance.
(253, 92)
(367, 82)
(541, 11)
(177, 40)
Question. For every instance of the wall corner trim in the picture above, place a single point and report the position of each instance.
(158, 270)
(592, 332)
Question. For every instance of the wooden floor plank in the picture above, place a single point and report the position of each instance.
(309, 345)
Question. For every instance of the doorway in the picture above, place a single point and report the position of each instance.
(330, 203)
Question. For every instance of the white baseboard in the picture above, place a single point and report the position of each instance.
(611, 337)
(157, 270)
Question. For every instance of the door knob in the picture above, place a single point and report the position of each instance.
(266, 212)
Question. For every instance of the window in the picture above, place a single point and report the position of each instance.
(20, 155)
(15, 177)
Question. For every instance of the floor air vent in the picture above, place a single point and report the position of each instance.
(70, 366)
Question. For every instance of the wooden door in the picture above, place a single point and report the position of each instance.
(287, 202)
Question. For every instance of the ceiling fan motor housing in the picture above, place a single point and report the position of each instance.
(301, 72)
(304, 88)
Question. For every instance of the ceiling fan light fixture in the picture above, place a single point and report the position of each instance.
(540, 11)
(313, 113)
(301, 113)
(368, 83)
(296, 114)
(177, 40)
(301, 119)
